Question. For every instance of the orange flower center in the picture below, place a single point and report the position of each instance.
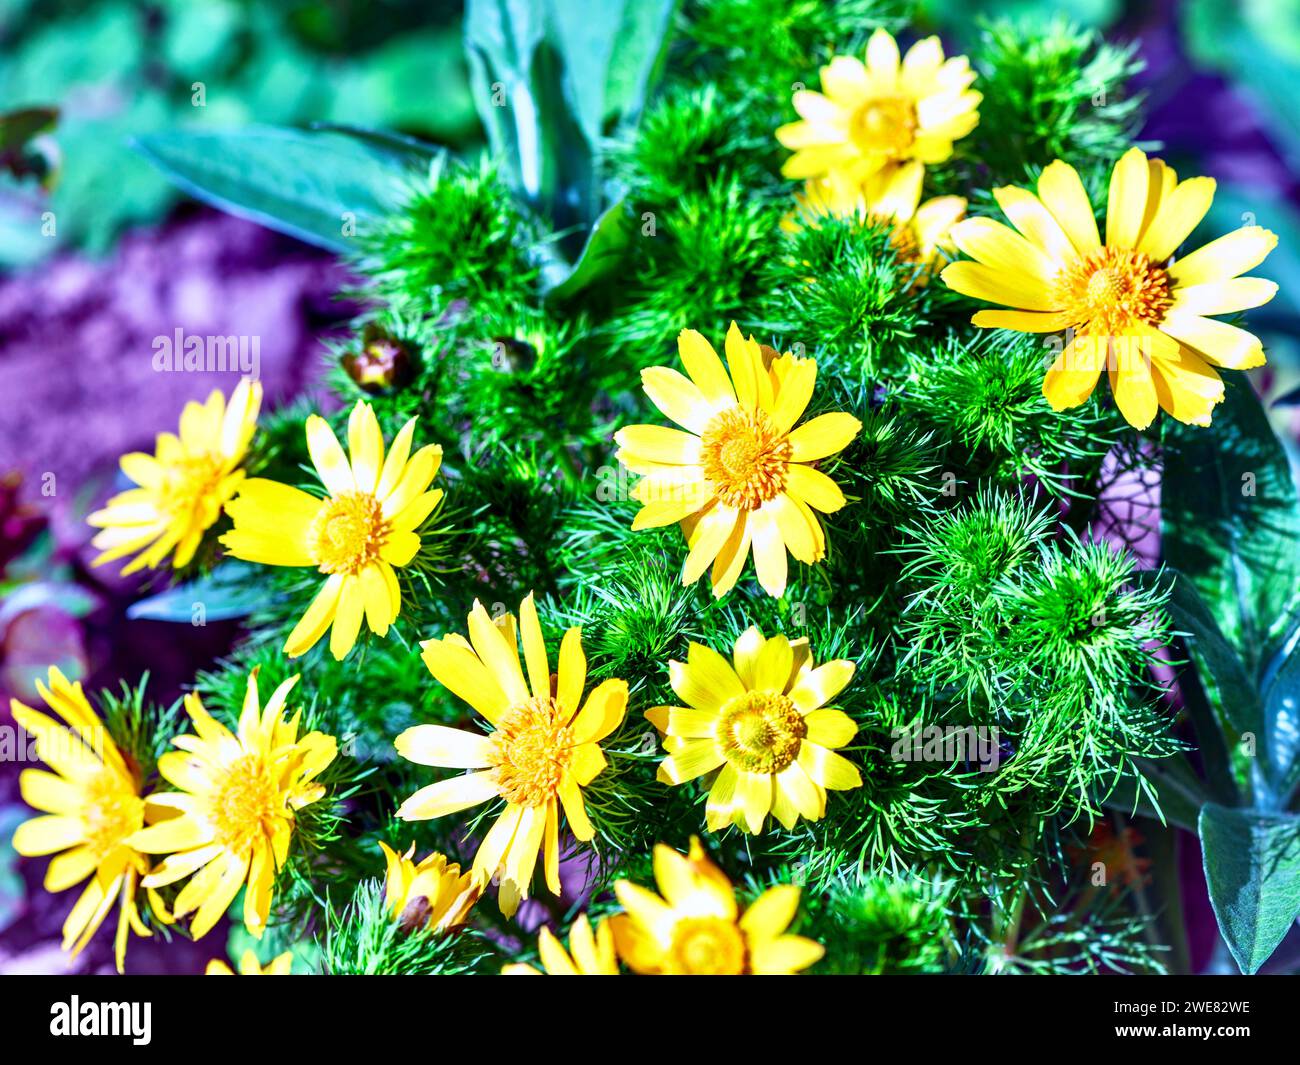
(761, 732)
(532, 751)
(189, 487)
(744, 458)
(1111, 290)
(348, 533)
(884, 126)
(244, 803)
(706, 946)
(109, 814)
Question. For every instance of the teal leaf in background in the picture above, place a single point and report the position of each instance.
(301, 182)
(1252, 868)
(229, 591)
(551, 80)
(1230, 522)
(608, 240)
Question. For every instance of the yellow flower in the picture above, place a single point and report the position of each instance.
(542, 751)
(92, 805)
(741, 475)
(357, 536)
(919, 231)
(696, 929)
(874, 116)
(432, 894)
(233, 817)
(593, 955)
(182, 486)
(764, 724)
(249, 966)
(1131, 308)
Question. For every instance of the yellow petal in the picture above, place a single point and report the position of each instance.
(603, 712)
(446, 748)
(1223, 297)
(771, 913)
(366, 446)
(711, 532)
(1010, 288)
(827, 768)
(678, 397)
(816, 687)
(814, 488)
(1003, 249)
(49, 793)
(769, 553)
(530, 629)
(1229, 256)
(1063, 194)
(1035, 221)
(347, 618)
(824, 436)
(693, 758)
(461, 672)
(882, 59)
(1127, 203)
(571, 677)
(1022, 321)
(796, 391)
(830, 728)
(47, 834)
(1178, 214)
(731, 559)
(497, 653)
(659, 443)
(328, 457)
(1073, 376)
(706, 681)
(705, 368)
(1218, 342)
(448, 797)
(721, 808)
(1187, 388)
(754, 798)
(785, 955)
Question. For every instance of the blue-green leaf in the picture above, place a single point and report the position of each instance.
(1231, 524)
(229, 591)
(1252, 868)
(313, 185)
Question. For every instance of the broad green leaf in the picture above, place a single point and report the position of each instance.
(606, 243)
(308, 184)
(551, 79)
(229, 591)
(1281, 692)
(1228, 682)
(1230, 521)
(1252, 868)
(615, 44)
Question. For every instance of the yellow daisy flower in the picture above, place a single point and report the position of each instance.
(280, 965)
(1128, 306)
(542, 751)
(357, 536)
(921, 232)
(696, 928)
(593, 955)
(433, 894)
(182, 486)
(764, 724)
(92, 806)
(742, 475)
(233, 815)
(873, 116)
